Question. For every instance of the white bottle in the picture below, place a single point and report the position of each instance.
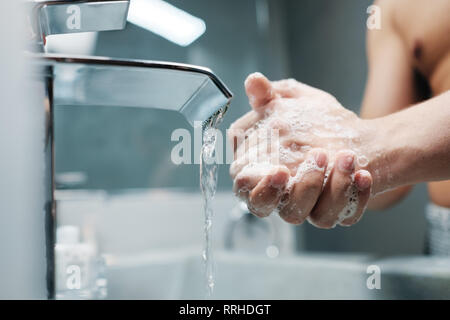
(75, 265)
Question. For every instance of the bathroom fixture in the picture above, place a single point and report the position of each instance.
(65, 80)
(178, 275)
(247, 233)
(193, 91)
(49, 17)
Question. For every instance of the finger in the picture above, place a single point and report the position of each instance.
(243, 184)
(237, 166)
(306, 188)
(265, 197)
(361, 193)
(259, 146)
(251, 175)
(259, 90)
(335, 196)
(240, 128)
(249, 153)
(250, 141)
(291, 88)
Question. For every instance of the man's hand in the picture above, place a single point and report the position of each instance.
(314, 169)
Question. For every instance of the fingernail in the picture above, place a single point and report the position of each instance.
(346, 163)
(321, 159)
(363, 180)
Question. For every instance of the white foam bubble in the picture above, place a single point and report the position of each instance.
(256, 169)
(362, 161)
(306, 166)
(352, 204)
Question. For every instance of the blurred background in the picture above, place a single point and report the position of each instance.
(318, 42)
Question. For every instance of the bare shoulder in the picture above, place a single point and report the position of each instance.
(422, 26)
(386, 32)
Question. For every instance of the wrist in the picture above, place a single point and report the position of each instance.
(380, 154)
(393, 160)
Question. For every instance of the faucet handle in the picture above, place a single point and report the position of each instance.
(48, 17)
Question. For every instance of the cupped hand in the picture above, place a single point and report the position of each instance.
(301, 152)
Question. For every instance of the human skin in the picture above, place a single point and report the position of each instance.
(409, 62)
(399, 149)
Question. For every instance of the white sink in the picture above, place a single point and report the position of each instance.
(179, 275)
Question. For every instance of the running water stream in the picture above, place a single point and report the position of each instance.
(208, 185)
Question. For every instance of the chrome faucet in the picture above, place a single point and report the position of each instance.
(49, 17)
(247, 233)
(193, 91)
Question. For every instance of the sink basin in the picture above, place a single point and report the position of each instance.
(179, 275)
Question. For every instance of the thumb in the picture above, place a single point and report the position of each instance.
(259, 90)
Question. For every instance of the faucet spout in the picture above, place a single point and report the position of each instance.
(195, 92)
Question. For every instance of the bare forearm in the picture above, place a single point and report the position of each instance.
(412, 145)
(386, 199)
